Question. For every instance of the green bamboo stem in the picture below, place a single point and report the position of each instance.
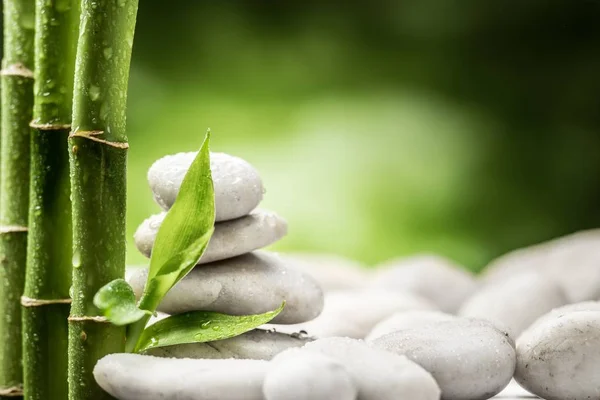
(46, 300)
(98, 147)
(17, 101)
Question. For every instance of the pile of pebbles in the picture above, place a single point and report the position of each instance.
(419, 328)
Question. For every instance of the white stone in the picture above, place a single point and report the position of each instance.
(513, 392)
(135, 377)
(354, 313)
(230, 238)
(308, 376)
(560, 358)
(254, 283)
(332, 272)
(515, 303)
(430, 276)
(469, 359)
(238, 187)
(407, 320)
(571, 261)
(378, 374)
(257, 344)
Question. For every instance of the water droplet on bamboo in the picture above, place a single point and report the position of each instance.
(94, 92)
(76, 259)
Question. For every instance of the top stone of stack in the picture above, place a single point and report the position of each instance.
(238, 186)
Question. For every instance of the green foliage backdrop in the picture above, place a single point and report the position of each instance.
(382, 128)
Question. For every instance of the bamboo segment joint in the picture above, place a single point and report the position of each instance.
(29, 302)
(49, 127)
(17, 69)
(87, 318)
(93, 135)
(13, 229)
(15, 391)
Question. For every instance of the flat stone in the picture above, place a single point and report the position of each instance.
(254, 283)
(469, 359)
(559, 358)
(238, 187)
(516, 302)
(433, 277)
(332, 272)
(407, 320)
(378, 374)
(308, 376)
(257, 344)
(135, 377)
(230, 239)
(354, 313)
(571, 261)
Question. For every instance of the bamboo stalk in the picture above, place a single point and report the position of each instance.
(17, 99)
(98, 146)
(46, 300)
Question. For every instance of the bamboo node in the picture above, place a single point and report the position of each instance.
(93, 135)
(29, 302)
(86, 318)
(49, 127)
(17, 69)
(14, 391)
(13, 229)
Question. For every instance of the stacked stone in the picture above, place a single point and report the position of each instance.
(233, 276)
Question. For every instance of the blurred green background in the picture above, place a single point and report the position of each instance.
(466, 128)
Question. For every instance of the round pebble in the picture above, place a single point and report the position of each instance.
(559, 358)
(257, 344)
(470, 359)
(570, 261)
(135, 377)
(308, 376)
(407, 320)
(430, 276)
(254, 283)
(378, 374)
(354, 313)
(238, 187)
(516, 302)
(230, 239)
(332, 272)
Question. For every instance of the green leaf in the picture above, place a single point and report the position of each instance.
(185, 231)
(200, 327)
(116, 301)
(175, 269)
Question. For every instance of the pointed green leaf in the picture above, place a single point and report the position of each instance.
(192, 214)
(175, 269)
(116, 301)
(185, 231)
(200, 327)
